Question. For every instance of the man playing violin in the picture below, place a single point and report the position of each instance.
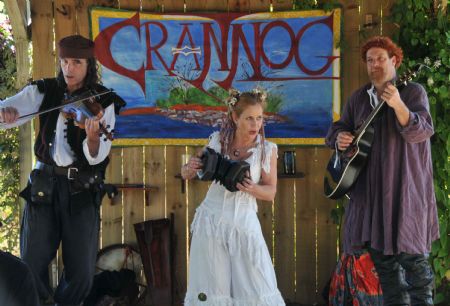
(66, 185)
(392, 207)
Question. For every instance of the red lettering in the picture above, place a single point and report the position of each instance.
(239, 40)
(104, 55)
(238, 36)
(222, 52)
(329, 23)
(180, 45)
(155, 48)
(287, 61)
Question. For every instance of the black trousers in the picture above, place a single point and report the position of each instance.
(73, 220)
(406, 279)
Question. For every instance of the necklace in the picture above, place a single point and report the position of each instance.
(237, 151)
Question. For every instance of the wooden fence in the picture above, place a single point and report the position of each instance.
(297, 227)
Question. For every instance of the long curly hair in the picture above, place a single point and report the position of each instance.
(385, 43)
(237, 102)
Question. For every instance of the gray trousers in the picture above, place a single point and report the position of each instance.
(73, 220)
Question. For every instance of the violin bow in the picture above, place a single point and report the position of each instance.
(64, 105)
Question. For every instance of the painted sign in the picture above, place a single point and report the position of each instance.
(175, 70)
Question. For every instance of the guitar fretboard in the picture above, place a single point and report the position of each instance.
(360, 131)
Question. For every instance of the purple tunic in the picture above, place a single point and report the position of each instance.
(392, 204)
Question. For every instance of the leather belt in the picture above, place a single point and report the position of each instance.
(70, 172)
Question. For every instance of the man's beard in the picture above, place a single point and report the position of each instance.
(377, 75)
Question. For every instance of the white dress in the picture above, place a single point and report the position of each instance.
(229, 262)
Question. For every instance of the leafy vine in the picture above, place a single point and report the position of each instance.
(424, 35)
(9, 149)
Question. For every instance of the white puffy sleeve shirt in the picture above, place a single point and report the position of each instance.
(30, 99)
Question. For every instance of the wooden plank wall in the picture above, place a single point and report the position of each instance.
(297, 225)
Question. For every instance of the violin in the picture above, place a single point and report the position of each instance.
(85, 106)
(80, 107)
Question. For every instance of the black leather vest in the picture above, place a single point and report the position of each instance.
(53, 96)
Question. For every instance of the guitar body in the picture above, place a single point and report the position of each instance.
(343, 168)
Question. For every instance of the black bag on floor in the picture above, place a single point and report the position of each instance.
(118, 284)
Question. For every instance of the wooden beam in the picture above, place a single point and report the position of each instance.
(440, 5)
(17, 12)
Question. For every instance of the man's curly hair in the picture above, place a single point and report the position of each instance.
(385, 43)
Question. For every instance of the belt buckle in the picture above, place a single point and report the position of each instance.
(69, 173)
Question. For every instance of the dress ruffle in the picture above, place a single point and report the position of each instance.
(231, 236)
(272, 299)
(192, 300)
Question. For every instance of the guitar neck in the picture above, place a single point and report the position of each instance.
(370, 119)
(374, 113)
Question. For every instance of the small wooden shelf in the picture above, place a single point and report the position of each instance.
(136, 186)
(139, 187)
(183, 182)
(294, 175)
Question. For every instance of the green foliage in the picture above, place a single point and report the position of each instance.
(7, 61)
(192, 95)
(274, 102)
(424, 35)
(326, 5)
(304, 5)
(218, 92)
(9, 150)
(215, 97)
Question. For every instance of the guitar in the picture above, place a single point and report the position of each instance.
(344, 167)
